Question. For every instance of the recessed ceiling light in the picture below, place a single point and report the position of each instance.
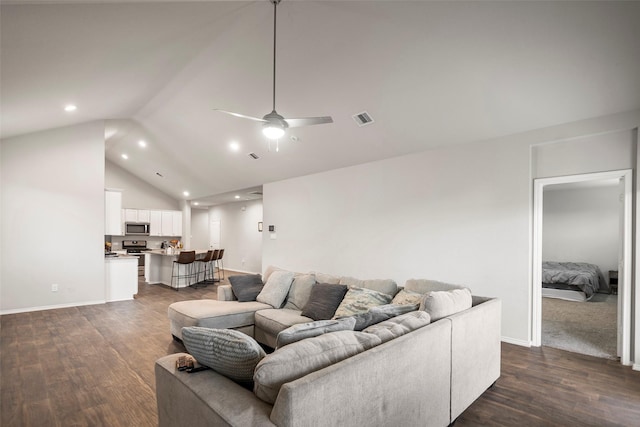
(186, 193)
(237, 197)
(142, 143)
(124, 156)
(196, 203)
(234, 146)
(70, 108)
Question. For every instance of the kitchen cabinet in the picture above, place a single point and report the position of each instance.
(112, 209)
(136, 215)
(121, 278)
(171, 223)
(177, 223)
(143, 215)
(162, 223)
(155, 221)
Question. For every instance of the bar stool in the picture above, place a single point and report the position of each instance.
(185, 260)
(200, 262)
(218, 262)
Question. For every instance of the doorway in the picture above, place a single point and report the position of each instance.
(624, 258)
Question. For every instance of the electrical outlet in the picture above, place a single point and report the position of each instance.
(54, 287)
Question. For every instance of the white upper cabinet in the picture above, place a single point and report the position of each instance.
(143, 215)
(162, 223)
(136, 215)
(177, 223)
(112, 215)
(155, 219)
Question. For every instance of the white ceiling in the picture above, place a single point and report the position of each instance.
(429, 73)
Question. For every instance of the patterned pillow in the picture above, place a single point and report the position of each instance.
(310, 355)
(400, 325)
(407, 297)
(228, 352)
(276, 289)
(360, 300)
(313, 329)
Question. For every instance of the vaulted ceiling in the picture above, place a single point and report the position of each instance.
(429, 73)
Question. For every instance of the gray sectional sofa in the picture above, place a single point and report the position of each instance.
(425, 377)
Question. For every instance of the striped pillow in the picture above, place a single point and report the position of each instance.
(226, 351)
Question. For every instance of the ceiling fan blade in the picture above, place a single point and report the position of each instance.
(308, 121)
(242, 116)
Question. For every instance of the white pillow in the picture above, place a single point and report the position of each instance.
(441, 304)
(276, 289)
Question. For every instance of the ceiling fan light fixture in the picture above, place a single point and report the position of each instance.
(272, 131)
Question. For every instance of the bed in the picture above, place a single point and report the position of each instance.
(574, 281)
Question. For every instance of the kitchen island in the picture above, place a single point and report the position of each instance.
(160, 264)
(120, 277)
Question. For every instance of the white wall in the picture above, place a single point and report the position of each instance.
(137, 194)
(460, 214)
(239, 236)
(199, 228)
(582, 225)
(52, 218)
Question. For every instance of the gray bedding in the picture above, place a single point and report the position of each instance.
(587, 277)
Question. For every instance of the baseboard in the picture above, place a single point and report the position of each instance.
(514, 341)
(235, 270)
(50, 307)
(636, 367)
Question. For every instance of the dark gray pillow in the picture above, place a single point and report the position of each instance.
(246, 287)
(323, 301)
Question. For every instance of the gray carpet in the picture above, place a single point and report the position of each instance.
(581, 327)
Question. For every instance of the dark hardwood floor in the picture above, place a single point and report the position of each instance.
(93, 366)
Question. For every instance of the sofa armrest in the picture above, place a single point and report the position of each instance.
(204, 399)
(475, 352)
(225, 293)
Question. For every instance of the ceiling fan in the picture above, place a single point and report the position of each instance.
(274, 125)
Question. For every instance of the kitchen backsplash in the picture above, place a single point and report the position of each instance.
(153, 242)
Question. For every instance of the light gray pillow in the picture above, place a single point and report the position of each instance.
(326, 278)
(360, 300)
(276, 289)
(313, 329)
(379, 314)
(300, 291)
(310, 355)
(407, 297)
(441, 304)
(386, 286)
(226, 351)
(400, 325)
(422, 286)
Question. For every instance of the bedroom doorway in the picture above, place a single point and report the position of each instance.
(622, 307)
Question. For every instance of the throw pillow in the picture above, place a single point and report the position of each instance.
(400, 325)
(386, 286)
(276, 289)
(310, 355)
(323, 301)
(422, 286)
(226, 351)
(407, 297)
(360, 300)
(441, 304)
(326, 278)
(379, 314)
(246, 287)
(313, 329)
(300, 291)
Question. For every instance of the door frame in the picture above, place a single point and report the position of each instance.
(625, 281)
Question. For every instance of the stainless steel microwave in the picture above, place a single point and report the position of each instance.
(136, 228)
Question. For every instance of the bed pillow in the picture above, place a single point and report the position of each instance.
(300, 291)
(226, 351)
(313, 329)
(407, 297)
(323, 301)
(360, 300)
(310, 355)
(246, 287)
(400, 325)
(441, 304)
(276, 289)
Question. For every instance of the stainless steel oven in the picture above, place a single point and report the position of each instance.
(136, 248)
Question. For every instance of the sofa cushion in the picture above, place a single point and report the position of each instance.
(386, 286)
(214, 314)
(379, 314)
(276, 289)
(422, 286)
(309, 355)
(326, 278)
(275, 320)
(324, 300)
(399, 325)
(300, 291)
(313, 329)
(231, 353)
(267, 272)
(441, 304)
(360, 300)
(407, 297)
(246, 287)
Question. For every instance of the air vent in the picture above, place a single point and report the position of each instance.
(254, 156)
(256, 193)
(363, 119)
